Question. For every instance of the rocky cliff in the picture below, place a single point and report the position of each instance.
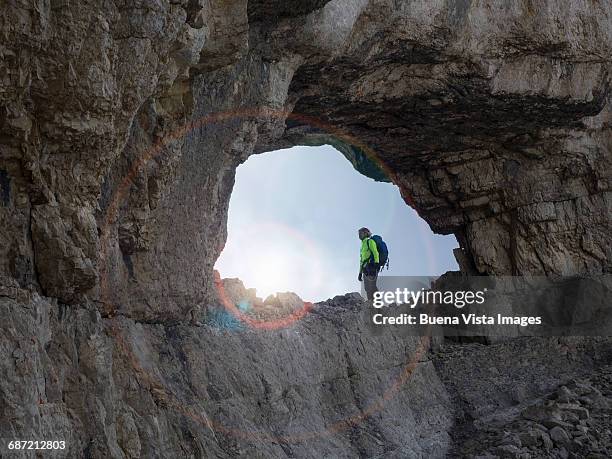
(121, 126)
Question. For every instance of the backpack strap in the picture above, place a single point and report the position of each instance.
(370, 249)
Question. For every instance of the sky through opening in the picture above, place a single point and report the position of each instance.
(293, 221)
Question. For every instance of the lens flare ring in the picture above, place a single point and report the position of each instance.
(155, 385)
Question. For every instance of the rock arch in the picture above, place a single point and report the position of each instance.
(494, 118)
(497, 134)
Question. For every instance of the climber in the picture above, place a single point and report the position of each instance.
(369, 262)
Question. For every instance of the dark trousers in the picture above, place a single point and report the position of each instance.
(370, 276)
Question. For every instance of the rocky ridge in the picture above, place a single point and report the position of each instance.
(322, 385)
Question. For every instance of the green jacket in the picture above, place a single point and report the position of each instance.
(368, 250)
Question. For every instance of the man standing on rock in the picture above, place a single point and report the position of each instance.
(369, 262)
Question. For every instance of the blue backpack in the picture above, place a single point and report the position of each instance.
(383, 251)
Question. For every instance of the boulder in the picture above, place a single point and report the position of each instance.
(559, 436)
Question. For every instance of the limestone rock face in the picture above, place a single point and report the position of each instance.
(121, 127)
(73, 79)
(124, 123)
(323, 385)
(117, 388)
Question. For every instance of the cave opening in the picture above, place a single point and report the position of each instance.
(293, 220)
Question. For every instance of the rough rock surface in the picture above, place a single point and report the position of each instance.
(122, 121)
(573, 421)
(322, 387)
(122, 124)
(515, 398)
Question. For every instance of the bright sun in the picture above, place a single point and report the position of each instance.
(271, 274)
(282, 261)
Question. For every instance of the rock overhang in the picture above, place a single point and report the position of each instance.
(480, 114)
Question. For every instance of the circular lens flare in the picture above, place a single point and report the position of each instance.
(116, 329)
